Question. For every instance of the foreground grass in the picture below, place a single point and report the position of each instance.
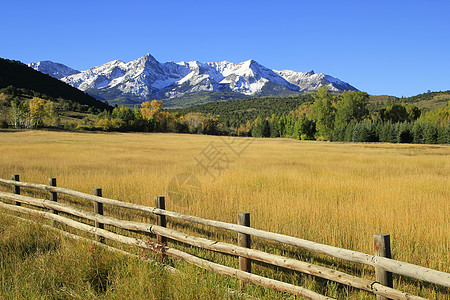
(337, 194)
(40, 264)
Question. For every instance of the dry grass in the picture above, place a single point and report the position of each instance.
(338, 194)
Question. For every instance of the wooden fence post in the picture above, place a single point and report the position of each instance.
(244, 240)
(53, 195)
(15, 188)
(382, 243)
(98, 209)
(160, 203)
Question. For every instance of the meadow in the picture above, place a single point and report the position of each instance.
(338, 194)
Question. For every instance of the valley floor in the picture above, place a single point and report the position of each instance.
(333, 193)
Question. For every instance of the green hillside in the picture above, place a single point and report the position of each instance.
(238, 112)
(201, 98)
(430, 100)
(426, 101)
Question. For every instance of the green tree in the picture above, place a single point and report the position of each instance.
(351, 107)
(282, 125)
(431, 133)
(274, 124)
(418, 132)
(404, 133)
(19, 113)
(265, 128)
(323, 112)
(388, 132)
(304, 128)
(262, 127)
(400, 112)
(365, 132)
(443, 135)
(289, 126)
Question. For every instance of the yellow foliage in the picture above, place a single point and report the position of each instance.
(146, 110)
(151, 109)
(156, 105)
(40, 109)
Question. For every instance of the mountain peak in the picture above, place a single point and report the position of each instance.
(146, 78)
(148, 56)
(251, 63)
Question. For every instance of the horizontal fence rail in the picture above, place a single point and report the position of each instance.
(307, 268)
(205, 264)
(383, 263)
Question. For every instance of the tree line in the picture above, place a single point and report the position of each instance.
(322, 116)
(327, 116)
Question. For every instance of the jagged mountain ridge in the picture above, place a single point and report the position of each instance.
(145, 78)
(56, 70)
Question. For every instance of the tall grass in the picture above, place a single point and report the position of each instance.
(337, 194)
(40, 264)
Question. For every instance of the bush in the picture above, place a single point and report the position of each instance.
(3, 124)
(70, 125)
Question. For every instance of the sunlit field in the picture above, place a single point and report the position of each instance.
(331, 193)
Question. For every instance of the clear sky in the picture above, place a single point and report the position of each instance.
(399, 48)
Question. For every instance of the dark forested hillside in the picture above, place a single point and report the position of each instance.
(19, 75)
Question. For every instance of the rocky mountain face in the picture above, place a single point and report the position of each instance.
(145, 78)
(54, 69)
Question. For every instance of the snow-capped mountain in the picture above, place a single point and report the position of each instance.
(145, 78)
(53, 69)
(310, 81)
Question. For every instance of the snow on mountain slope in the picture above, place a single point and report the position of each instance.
(53, 69)
(97, 77)
(250, 77)
(146, 78)
(310, 81)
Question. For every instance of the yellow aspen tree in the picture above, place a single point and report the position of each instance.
(40, 110)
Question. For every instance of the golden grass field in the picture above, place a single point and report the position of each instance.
(332, 193)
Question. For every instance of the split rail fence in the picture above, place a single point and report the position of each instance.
(63, 213)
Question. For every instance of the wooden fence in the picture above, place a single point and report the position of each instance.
(381, 261)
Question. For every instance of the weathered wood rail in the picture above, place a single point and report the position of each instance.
(384, 266)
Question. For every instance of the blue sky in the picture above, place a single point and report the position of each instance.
(399, 48)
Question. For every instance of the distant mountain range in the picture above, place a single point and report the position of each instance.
(145, 78)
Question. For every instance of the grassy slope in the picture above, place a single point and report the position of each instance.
(338, 194)
(425, 101)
